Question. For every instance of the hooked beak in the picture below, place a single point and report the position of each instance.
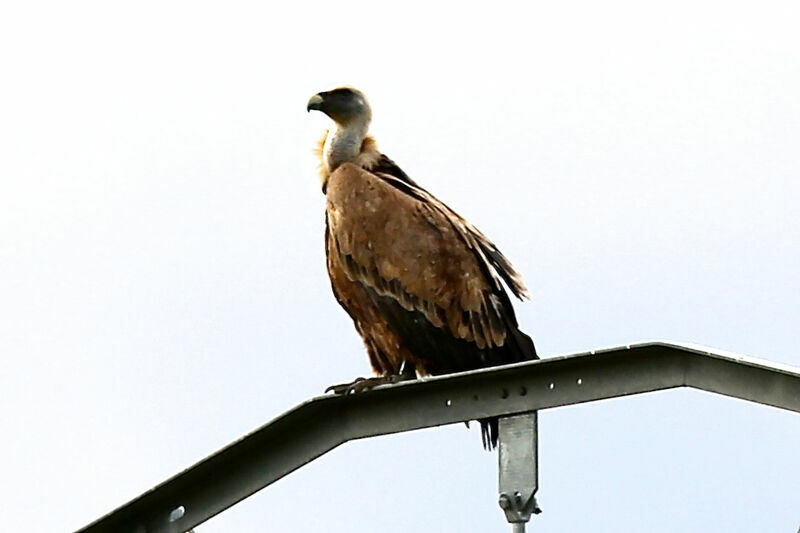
(315, 103)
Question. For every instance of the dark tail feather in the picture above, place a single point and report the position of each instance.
(520, 348)
(489, 432)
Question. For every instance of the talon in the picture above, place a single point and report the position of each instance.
(361, 384)
(344, 388)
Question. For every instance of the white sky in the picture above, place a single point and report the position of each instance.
(162, 282)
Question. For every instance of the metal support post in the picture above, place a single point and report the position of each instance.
(519, 469)
(319, 425)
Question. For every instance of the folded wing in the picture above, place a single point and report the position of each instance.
(421, 283)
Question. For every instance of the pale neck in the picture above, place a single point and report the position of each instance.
(344, 143)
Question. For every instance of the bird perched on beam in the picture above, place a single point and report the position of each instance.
(423, 286)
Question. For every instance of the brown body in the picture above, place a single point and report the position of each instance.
(422, 285)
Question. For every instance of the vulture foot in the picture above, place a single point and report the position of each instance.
(365, 384)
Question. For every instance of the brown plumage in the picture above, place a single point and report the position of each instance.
(422, 285)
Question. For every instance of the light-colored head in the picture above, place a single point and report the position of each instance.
(348, 142)
(346, 106)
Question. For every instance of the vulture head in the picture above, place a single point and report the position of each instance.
(345, 106)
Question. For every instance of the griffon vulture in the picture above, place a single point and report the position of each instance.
(422, 285)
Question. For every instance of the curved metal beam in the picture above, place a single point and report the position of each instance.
(317, 426)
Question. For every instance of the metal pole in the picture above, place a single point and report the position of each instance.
(319, 425)
(518, 469)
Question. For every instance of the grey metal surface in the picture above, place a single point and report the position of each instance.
(319, 425)
(518, 468)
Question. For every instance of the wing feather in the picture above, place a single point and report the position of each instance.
(401, 242)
